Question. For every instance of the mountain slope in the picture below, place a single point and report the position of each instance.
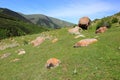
(13, 14)
(50, 22)
(12, 24)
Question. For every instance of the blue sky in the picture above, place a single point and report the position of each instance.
(68, 10)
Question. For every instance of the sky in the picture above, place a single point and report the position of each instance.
(68, 10)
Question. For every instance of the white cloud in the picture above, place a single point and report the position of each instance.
(79, 9)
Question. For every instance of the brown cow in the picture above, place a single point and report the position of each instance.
(84, 22)
(74, 30)
(101, 30)
(38, 41)
(52, 62)
(85, 42)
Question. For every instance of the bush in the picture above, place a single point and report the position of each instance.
(99, 24)
(107, 24)
(114, 20)
(103, 23)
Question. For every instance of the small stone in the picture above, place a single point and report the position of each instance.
(21, 52)
(5, 55)
(119, 48)
(15, 60)
(79, 36)
(75, 71)
(54, 40)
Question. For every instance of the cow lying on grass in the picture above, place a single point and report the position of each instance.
(52, 62)
(101, 30)
(38, 41)
(74, 30)
(85, 42)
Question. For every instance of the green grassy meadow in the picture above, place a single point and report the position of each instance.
(98, 61)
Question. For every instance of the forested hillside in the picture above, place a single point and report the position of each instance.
(13, 24)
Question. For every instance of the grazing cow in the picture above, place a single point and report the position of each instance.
(85, 42)
(101, 30)
(38, 41)
(52, 62)
(74, 30)
(84, 22)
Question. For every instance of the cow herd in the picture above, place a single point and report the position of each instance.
(83, 24)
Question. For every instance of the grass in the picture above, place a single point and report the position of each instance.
(99, 61)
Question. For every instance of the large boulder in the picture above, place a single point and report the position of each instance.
(84, 22)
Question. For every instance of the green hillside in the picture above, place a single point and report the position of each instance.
(49, 22)
(108, 21)
(98, 61)
(12, 24)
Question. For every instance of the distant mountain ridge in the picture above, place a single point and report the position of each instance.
(13, 14)
(50, 22)
(39, 19)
